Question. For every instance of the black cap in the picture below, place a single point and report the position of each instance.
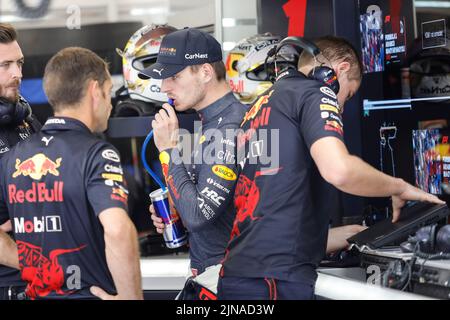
(180, 49)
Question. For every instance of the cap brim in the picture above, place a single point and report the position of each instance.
(160, 71)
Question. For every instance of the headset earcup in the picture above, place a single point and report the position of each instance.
(325, 75)
(433, 234)
(22, 110)
(427, 235)
(443, 239)
(6, 112)
(134, 108)
(14, 112)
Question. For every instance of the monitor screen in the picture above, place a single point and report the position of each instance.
(431, 150)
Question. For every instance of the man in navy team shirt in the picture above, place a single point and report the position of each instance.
(64, 191)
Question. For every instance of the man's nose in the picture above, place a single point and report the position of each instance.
(16, 71)
(165, 86)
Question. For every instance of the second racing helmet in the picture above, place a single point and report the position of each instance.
(247, 73)
(140, 52)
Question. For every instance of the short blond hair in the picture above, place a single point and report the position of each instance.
(336, 49)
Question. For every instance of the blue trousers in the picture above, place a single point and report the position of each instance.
(232, 288)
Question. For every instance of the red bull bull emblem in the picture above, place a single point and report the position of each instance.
(253, 112)
(44, 275)
(164, 158)
(36, 167)
(120, 195)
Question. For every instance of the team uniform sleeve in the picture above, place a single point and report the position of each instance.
(105, 182)
(4, 215)
(320, 116)
(201, 203)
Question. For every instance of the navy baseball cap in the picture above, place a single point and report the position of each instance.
(180, 49)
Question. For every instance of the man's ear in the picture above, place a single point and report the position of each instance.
(207, 71)
(342, 68)
(93, 91)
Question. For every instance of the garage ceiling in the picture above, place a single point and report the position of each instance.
(99, 11)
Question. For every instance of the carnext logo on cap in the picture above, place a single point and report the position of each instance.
(196, 56)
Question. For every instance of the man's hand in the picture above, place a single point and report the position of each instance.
(157, 221)
(102, 294)
(165, 128)
(8, 251)
(122, 253)
(411, 193)
(337, 237)
(6, 227)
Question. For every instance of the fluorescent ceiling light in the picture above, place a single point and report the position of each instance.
(149, 11)
(228, 22)
(227, 46)
(432, 4)
(12, 18)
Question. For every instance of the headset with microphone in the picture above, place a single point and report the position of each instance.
(14, 112)
(321, 73)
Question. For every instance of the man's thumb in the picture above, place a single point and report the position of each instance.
(98, 292)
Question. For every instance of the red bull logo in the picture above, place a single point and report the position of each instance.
(334, 124)
(169, 180)
(36, 167)
(237, 87)
(262, 120)
(338, 130)
(44, 275)
(253, 112)
(119, 198)
(37, 194)
(120, 193)
(164, 158)
(246, 198)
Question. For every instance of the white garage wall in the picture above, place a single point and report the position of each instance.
(180, 13)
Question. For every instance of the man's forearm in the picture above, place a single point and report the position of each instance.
(337, 237)
(122, 255)
(361, 179)
(8, 251)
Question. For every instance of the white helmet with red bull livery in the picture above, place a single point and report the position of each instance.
(140, 52)
(246, 73)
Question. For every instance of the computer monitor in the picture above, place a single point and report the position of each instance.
(431, 148)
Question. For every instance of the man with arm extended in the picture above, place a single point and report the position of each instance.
(64, 192)
(278, 236)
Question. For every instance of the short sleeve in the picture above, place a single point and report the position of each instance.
(106, 185)
(320, 116)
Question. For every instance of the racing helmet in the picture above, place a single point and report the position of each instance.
(245, 65)
(140, 52)
(430, 73)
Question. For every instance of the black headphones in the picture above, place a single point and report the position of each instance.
(14, 112)
(432, 240)
(321, 73)
(135, 108)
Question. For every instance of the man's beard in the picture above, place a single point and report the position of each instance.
(14, 98)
